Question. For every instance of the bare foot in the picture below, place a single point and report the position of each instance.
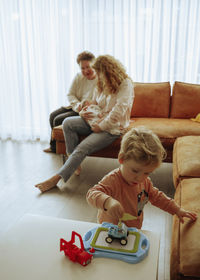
(78, 171)
(48, 184)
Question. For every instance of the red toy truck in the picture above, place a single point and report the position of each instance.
(74, 253)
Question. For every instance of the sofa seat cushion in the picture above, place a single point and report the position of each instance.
(57, 133)
(185, 243)
(189, 231)
(186, 158)
(167, 127)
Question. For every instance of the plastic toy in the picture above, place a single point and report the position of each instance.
(128, 217)
(119, 231)
(74, 253)
(135, 250)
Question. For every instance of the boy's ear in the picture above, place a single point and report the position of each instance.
(121, 158)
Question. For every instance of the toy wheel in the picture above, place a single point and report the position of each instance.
(109, 239)
(88, 261)
(123, 241)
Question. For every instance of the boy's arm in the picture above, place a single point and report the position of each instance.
(97, 197)
(102, 195)
(100, 200)
(114, 208)
(159, 199)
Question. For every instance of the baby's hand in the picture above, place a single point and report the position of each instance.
(83, 104)
(183, 213)
(95, 128)
(85, 115)
(100, 115)
(86, 103)
(114, 208)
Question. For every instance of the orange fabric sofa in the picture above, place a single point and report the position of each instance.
(167, 114)
(185, 243)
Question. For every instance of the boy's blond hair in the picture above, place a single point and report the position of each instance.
(143, 146)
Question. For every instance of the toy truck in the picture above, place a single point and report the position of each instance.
(74, 253)
(119, 232)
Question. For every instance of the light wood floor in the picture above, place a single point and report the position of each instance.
(25, 164)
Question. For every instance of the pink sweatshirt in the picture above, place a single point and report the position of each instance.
(132, 198)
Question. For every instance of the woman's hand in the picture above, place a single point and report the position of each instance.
(96, 128)
(114, 208)
(86, 115)
(85, 103)
(183, 213)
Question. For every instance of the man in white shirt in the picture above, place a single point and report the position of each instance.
(81, 89)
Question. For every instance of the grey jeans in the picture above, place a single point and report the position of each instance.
(72, 128)
(56, 118)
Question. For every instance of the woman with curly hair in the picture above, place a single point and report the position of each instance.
(114, 96)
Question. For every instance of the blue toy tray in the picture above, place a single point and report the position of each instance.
(134, 251)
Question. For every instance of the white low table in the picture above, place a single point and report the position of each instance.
(30, 251)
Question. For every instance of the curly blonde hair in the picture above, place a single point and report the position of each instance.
(142, 145)
(111, 73)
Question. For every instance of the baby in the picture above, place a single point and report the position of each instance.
(90, 107)
(98, 115)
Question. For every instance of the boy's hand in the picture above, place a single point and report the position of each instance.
(183, 213)
(114, 208)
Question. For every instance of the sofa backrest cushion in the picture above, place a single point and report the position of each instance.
(185, 100)
(151, 100)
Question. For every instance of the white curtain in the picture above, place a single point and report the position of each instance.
(156, 40)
